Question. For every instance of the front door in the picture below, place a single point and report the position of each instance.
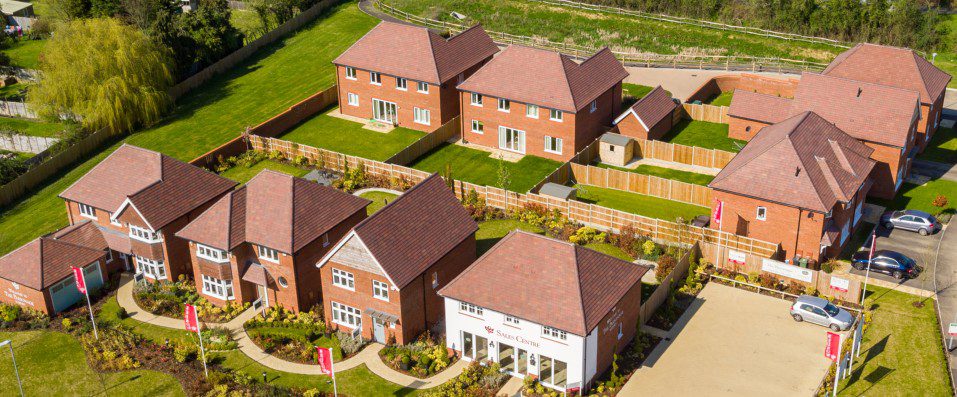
(378, 330)
(384, 111)
(126, 262)
(262, 297)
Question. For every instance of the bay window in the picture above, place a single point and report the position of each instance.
(151, 268)
(346, 315)
(222, 289)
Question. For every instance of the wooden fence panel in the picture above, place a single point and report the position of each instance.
(642, 184)
(660, 295)
(446, 132)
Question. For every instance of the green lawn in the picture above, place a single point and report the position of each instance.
(703, 134)
(631, 93)
(947, 58)
(12, 91)
(53, 364)
(611, 250)
(268, 83)
(31, 127)
(109, 316)
(902, 352)
(914, 197)
(667, 173)
(243, 174)
(25, 53)
(490, 232)
(379, 200)
(652, 207)
(722, 99)
(478, 167)
(942, 147)
(344, 136)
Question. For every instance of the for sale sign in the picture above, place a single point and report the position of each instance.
(324, 359)
(189, 318)
(952, 329)
(833, 347)
(80, 281)
(840, 284)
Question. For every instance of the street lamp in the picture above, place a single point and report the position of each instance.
(15, 370)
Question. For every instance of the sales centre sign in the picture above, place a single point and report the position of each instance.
(510, 337)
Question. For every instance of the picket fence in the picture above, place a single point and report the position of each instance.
(648, 185)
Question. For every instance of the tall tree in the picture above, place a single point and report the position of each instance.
(211, 31)
(103, 73)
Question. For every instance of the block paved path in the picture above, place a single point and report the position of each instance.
(368, 356)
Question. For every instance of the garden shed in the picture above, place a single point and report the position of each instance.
(616, 149)
(649, 118)
(558, 191)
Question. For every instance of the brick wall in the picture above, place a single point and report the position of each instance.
(308, 276)
(744, 129)
(884, 175)
(626, 313)
(405, 100)
(798, 231)
(24, 296)
(362, 299)
(747, 82)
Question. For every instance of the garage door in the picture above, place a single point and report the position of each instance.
(64, 293)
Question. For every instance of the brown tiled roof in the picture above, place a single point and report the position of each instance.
(652, 108)
(546, 78)
(762, 107)
(416, 229)
(89, 234)
(257, 274)
(160, 187)
(547, 281)
(417, 53)
(45, 261)
(893, 66)
(275, 210)
(804, 161)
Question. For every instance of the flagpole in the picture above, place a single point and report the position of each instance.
(201, 348)
(81, 286)
(90, 306)
(870, 258)
(332, 366)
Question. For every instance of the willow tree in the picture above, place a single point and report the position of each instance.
(103, 73)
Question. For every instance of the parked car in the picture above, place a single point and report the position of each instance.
(913, 220)
(894, 263)
(820, 311)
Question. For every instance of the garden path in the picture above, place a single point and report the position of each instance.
(368, 356)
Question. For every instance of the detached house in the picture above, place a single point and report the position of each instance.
(260, 242)
(884, 118)
(139, 199)
(383, 277)
(543, 103)
(545, 308)
(902, 68)
(800, 183)
(406, 75)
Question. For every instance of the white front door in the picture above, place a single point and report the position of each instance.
(384, 111)
(511, 139)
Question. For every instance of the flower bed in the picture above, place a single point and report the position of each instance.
(16, 318)
(294, 336)
(475, 381)
(168, 299)
(423, 358)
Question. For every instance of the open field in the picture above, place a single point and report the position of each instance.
(266, 84)
(652, 207)
(667, 173)
(703, 134)
(344, 136)
(478, 167)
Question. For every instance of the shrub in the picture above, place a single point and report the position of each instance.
(650, 249)
(940, 201)
(475, 381)
(67, 323)
(350, 345)
(10, 313)
(828, 267)
(585, 235)
(184, 353)
(666, 264)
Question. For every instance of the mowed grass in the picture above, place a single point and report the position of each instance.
(25, 53)
(269, 82)
(31, 127)
(947, 60)
(667, 173)
(703, 134)
(921, 197)
(54, 364)
(942, 147)
(478, 167)
(490, 232)
(344, 136)
(902, 352)
(639, 204)
(631, 93)
(379, 200)
(243, 174)
(722, 99)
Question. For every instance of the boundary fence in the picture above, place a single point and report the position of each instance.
(446, 132)
(648, 185)
(662, 291)
(25, 143)
(705, 112)
(665, 151)
(678, 61)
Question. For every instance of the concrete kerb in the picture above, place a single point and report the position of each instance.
(368, 356)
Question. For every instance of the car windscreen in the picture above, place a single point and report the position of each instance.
(831, 310)
(897, 257)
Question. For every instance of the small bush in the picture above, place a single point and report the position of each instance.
(666, 264)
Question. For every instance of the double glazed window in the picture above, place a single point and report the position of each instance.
(346, 315)
(478, 127)
(422, 115)
(380, 290)
(531, 111)
(422, 87)
(268, 254)
(504, 105)
(553, 333)
(593, 107)
(511, 320)
(401, 83)
(476, 99)
(762, 213)
(375, 78)
(210, 253)
(222, 289)
(151, 268)
(343, 279)
(555, 115)
(553, 145)
(552, 371)
(470, 309)
(143, 234)
(350, 73)
(87, 211)
(511, 139)
(353, 99)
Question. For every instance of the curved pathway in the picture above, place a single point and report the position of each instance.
(368, 356)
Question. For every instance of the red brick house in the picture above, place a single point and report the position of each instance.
(542, 103)
(383, 277)
(649, 118)
(545, 308)
(260, 242)
(139, 199)
(800, 183)
(406, 75)
(884, 118)
(902, 68)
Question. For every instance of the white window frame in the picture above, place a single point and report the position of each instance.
(554, 140)
(345, 315)
(509, 320)
(222, 289)
(422, 116)
(470, 309)
(552, 115)
(150, 268)
(380, 290)
(350, 73)
(212, 254)
(554, 333)
(593, 106)
(115, 222)
(87, 211)
(519, 137)
(401, 84)
(761, 214)
(435, 280)
(476, 99)
(420, 84)
(504, 105)
(266, 253)
(531, 111)
(143, 234)
(353, 99)
(375, 78)
(109, 255)
(343, 279)
(478, 127)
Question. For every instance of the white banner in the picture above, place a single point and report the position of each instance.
(786, 270)
(737, 257)
(840, 284)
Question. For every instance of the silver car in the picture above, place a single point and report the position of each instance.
(820, 311)
(913, 220)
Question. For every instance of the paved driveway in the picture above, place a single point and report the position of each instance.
(735, 343)
(921, 248)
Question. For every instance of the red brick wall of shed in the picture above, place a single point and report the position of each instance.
(631, 127)
(744, 129)
(362, 299)
(781, 224)
(608, 342)
(28, 298)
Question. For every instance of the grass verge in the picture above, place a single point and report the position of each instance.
(921, 197)
(31, 127)
(478, 167)
(942, 148)
(639, 204)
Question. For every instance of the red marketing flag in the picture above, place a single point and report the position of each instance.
(717, 212)
(324, 359)
(80, 281)
(831, 350)
(189, 317)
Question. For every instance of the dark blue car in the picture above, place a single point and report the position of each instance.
(894, 263)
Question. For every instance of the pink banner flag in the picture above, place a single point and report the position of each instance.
(189, 317)
(80, 281)
(324, 359)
